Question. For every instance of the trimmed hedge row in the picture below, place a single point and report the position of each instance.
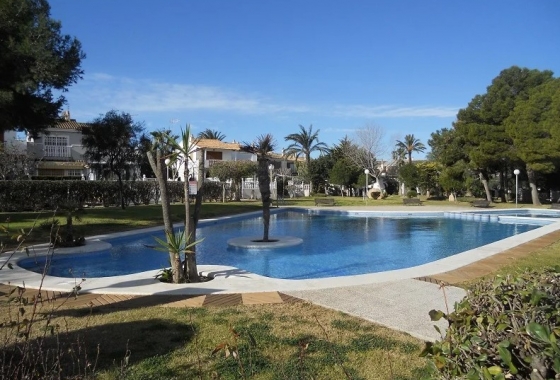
(25, 195)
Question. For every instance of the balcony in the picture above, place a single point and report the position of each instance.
(58, 152)
(209, 163)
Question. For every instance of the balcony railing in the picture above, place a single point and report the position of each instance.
(58, 151)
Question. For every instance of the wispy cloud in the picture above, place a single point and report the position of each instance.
(387, 111)
(100, 91)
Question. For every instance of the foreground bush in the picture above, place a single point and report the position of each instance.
(506, 328)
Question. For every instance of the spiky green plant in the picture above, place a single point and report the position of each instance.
(180, 245)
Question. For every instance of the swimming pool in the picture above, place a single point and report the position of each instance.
(334, 244)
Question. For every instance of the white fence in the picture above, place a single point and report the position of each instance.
(294, 189)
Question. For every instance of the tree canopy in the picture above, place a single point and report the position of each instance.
(534, 126)
(35, 59)
(112, 139)
(408, 145)
(304, 143)
(479, 137)
(211, 134)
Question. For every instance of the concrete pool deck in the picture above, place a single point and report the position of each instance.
(399, 299)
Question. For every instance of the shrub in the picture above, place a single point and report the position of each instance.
(506, 328)
(212, 191)
(176, 191)
(411, 193)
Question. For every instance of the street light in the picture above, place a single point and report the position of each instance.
(270, 168)
(516, 172)
(366, 172)
(167, 163)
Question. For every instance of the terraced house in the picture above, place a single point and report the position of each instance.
(59, 152)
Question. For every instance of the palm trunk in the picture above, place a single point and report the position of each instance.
(157, 163)
(533, 186)
(264, 187)
(190, 270)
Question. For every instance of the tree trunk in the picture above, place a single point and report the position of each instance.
(69, 227)
(191, 270)
(533, 186)
(501, 192)
(484, 179)
(264, 187)
(121, 192)
(157, 163)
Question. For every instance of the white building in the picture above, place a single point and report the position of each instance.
(59, 152)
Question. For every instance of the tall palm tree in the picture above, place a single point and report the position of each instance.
(211, 134)
(262, 147)
(305, 143)
(410, 144)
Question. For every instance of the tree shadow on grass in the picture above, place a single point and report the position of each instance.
(117, 344)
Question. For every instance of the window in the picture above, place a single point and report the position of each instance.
(56, 140)
(74, 172)
(51, 173)
(57, 146)
(213, 155)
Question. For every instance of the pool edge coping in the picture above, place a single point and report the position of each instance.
(228, 280)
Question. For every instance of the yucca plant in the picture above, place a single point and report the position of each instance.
(180, 245)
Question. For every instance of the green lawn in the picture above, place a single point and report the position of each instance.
(283, 341)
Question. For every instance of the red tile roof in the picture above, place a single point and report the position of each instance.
(71, 124)
(217, 144)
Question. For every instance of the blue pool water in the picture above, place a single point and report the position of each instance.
(333, 245)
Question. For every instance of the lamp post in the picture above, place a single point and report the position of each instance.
(366, 172)
(516, 172)
(270, 169)
(167, 163)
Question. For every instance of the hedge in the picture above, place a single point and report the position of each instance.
(29, 195)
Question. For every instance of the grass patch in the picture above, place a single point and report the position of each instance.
(546, 257)
(104, 220)
(178, 343)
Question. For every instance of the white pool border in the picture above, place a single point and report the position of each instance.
(232, 280)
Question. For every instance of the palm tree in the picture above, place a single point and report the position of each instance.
(410, 144)
(262, 147)
(399, 156)
(211, 134)
(305, 143)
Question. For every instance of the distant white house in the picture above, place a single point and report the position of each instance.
(211, 151)
(59, 152)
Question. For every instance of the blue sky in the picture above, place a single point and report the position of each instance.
(250, 67)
